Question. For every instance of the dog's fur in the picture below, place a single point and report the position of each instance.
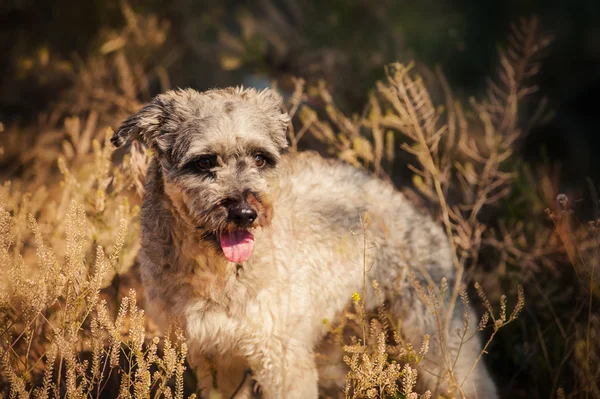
(266, 313)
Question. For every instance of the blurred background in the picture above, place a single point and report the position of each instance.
(206, 44)
(71, 67)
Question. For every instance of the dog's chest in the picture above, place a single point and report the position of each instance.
(239, 327)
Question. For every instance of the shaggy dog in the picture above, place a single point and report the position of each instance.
(250, 250)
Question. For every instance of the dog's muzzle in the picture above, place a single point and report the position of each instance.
(242, 214)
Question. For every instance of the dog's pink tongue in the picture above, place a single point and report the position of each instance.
(237, 246)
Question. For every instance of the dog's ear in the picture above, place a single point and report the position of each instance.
(279, 119)
(146, 125)
(283, 120)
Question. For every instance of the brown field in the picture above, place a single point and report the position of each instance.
(72, 320)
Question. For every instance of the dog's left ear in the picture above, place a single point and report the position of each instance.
(146, 125)
(279, 119)
(284, 120)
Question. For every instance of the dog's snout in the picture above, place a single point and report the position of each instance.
(242, 214)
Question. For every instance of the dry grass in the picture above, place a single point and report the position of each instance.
(68, 230)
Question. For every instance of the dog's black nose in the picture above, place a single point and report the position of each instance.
(242, 214)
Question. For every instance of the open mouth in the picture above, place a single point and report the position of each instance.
(237, 245)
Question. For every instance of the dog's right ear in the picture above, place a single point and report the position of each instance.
(146, 125)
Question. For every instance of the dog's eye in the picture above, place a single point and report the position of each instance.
(260, 160)
(205, 163)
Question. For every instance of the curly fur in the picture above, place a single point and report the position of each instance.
(266, 313)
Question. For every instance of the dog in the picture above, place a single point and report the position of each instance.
(249, 249)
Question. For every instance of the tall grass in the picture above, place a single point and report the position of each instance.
(69, 235)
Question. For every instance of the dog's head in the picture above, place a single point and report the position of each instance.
(218, 153)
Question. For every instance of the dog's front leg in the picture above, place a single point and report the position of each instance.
(287, 373)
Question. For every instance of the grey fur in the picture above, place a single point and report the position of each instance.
(266, 313)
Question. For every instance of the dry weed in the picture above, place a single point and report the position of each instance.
(68, 226)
